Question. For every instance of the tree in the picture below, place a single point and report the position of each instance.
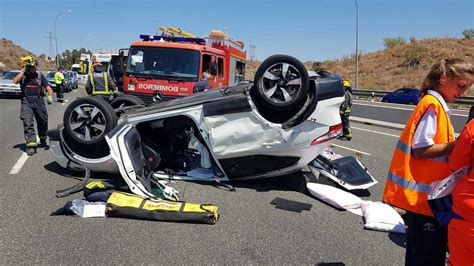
(392, 42)
(68, 58)
(468, 34)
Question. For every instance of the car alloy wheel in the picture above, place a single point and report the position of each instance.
(281, 83)
(87, 122)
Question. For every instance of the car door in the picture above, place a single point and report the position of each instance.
(397, 96)
(125, 148)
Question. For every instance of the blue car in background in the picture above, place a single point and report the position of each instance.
(403, 95)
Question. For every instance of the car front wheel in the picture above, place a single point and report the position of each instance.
(88, 120)
(281, 83)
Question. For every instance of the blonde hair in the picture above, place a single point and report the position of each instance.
(449, 67)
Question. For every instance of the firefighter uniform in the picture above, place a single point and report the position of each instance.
(345, 111)
(33, 107)
(100, 83)
(408, 184)
(59, 80)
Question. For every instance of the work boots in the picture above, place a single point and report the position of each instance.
(43, 143)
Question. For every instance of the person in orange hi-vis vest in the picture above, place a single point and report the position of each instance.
(421, 157)
(461, 230)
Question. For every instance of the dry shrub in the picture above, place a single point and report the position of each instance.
(413, 55)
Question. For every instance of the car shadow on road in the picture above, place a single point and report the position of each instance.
(292, 182)
(56, 168)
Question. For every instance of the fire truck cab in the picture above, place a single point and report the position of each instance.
(167, 67)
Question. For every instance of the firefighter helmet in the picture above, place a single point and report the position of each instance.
(28, 60)
(346, 84)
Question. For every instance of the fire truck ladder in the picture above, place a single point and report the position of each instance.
(173, 32)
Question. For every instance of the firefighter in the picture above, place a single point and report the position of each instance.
(100, 83)
(345, 111)
(32, 85)
(203, 84)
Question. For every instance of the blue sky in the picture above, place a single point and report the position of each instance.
(307, 29)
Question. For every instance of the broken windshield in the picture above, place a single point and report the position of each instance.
(165, 63)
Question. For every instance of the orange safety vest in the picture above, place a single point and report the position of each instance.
(409, 178)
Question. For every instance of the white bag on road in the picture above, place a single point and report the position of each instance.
(382, 217)
(334, 196)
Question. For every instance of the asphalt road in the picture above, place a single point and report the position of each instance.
(399, 113)
(250, 229)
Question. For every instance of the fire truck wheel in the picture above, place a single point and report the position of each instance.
(126, 100)
(88, 120)
(281, 83)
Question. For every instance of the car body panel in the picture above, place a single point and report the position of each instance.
(68, 159)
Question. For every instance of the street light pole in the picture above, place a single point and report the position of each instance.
(82, 37)
(357, 46)
(56, 34)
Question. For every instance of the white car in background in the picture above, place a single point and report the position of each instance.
(273, 126)
(7, 87)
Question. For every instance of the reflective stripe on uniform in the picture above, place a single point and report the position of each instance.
(403, 147)
(408, 183)
(441, 159)
(106, 81)
(91, 78)
(407, 149)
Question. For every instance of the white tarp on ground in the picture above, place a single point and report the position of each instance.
(377, 215)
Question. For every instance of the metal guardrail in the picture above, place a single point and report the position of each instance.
(467, 100)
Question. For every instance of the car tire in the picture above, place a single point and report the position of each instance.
(126, 100)
(281, 83)
(384, 100)
(411, 103)
(88, 120)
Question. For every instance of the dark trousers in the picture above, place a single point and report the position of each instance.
(346, 127)
(33, 107)
(59, 91)
(427, 240)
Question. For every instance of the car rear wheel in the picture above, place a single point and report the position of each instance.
(281, 83)
(88, 120)
(126, 100)
(120, 103)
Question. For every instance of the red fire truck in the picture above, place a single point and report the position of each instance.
(168, 67)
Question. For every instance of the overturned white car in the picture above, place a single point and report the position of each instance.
(273, 126)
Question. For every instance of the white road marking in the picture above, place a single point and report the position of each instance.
(377, 132)
(342, 147)
(19, 164)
